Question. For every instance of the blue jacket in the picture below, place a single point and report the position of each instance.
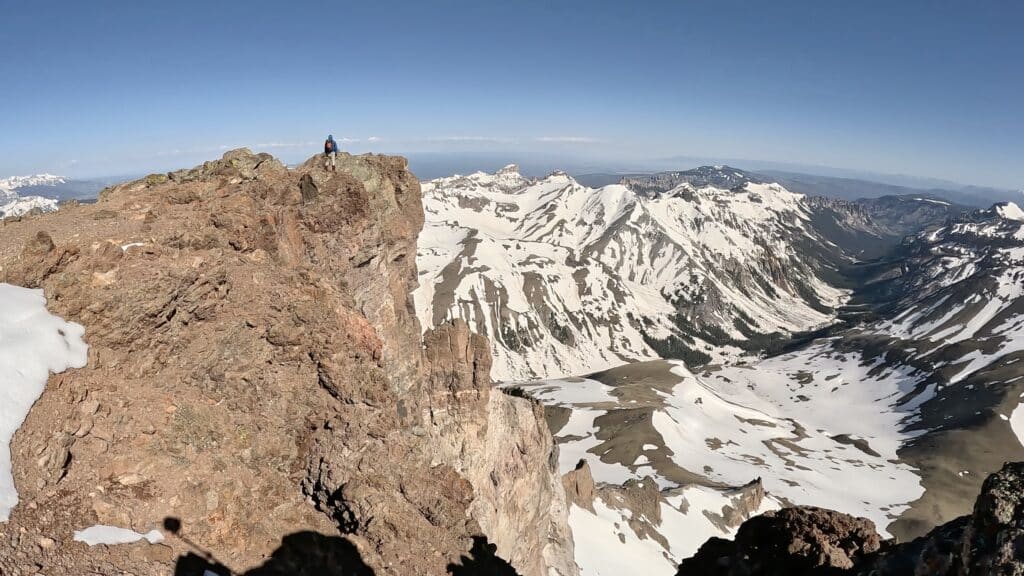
(334, 145)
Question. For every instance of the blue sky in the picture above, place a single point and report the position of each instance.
(920, 87)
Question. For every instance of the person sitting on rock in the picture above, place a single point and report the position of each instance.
(331, 153)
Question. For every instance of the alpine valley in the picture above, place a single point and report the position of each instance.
(709, 345)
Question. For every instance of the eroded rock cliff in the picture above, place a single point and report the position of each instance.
(257, 370)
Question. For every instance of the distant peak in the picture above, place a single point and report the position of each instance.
(1010, 211)
(34, 180)
(510, 169)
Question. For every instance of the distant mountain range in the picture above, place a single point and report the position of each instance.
(22, 194)
(698, 265)
(846, 188)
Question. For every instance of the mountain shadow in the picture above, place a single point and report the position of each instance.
(483, 561)
(300, 554)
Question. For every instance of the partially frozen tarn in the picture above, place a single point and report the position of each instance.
(578, 437)
(111, 535)
(577, 440)
(33, 343)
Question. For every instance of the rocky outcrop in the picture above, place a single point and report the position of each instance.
(813, 541)
(257, 370)
(791, 541)
(579, 486)
(993, 542)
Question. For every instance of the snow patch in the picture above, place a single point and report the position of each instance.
(1017, 423)
(606, 545)
(1010, 211)
(33, 343)
(112, 535)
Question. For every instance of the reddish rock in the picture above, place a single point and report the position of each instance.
(271, 308)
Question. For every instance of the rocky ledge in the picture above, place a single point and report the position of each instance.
(805, 541)
(258, 385)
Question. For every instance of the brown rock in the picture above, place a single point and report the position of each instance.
(579, 486)
(258, 370)
(792, 541)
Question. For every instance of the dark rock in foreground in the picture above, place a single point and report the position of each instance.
(791, 541)
(812, 542)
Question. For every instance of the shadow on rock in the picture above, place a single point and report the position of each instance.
(484, 561)
(300, 554)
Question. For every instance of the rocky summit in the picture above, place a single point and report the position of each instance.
(259, 389)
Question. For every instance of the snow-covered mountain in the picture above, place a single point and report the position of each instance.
(565, 279)
(895, 411)
(14, 204)
(15, 182)
(898, 419)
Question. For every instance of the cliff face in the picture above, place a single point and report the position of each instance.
(257, 370)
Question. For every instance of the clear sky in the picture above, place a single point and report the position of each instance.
(920, 87)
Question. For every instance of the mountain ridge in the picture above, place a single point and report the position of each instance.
(256, 374)
(612, 246)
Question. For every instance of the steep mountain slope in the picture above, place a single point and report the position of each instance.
(896, 420)
(871, 227)
(957, 317)
(566, 279)
(869, 419)
(257, 376)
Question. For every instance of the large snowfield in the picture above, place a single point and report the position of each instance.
(33, 344)
(817, 427)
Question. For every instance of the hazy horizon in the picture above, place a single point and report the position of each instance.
(919, 88)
